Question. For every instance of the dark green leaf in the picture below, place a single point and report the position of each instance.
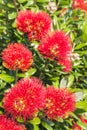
(46, 125)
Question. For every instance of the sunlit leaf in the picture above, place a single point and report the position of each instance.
(70, 81)
(22, 1)
(7, 78)
(12, 15)
(35, 121)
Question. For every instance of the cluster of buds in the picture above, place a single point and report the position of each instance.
(75, 57)
(52, 7)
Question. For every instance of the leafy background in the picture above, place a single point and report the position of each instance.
(74, 22)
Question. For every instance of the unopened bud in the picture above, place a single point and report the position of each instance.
(75, 56)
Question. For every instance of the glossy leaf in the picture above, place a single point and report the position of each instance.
(12, 15)
(35, 121)
(46, 125)
(70, 81)
(7, 78)
(22, 1)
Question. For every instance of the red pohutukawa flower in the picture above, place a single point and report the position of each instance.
(35, 25)
(25, 99)
(41, 26)
(24, 21)
(57, 47)
(80, 4)
(77, 4)
(17, 56)
(9, 124)
(59, 103)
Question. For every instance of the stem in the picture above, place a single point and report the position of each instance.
(57, 3)
(16, 78)
(14, 1)
(41, 76)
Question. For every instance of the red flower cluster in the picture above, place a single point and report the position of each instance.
(35, 25)
(80, 4)
(17, 56)
(57, 47)
(25, 99)
(59, 103)
(8, 124)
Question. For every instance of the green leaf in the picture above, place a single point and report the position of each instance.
(46, 125)
(27, 74)
(2, 84)
(30, 72)
(70, 81)
(35, 121)
(80, 45)
(85, 27)
(1, 1)
(22, 1)
(82, 105)
(81, 53)
(42, 1)
(56, 83)
(12, 15)
(50, 122)
(55, 22)
(36, 127)
(10, 5)
(7, 78)
(72, 36)
(84, 36)
(19, 119)
(29, 3)
(83, 125)
(21, 75)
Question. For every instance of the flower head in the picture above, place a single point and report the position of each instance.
(9, 124)
(35, 25)
(77, 3)
(24, 21)
(17, 56)
(59, 103)
(25, 99)
(80, 4)
(41, 26)
(57, 47)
